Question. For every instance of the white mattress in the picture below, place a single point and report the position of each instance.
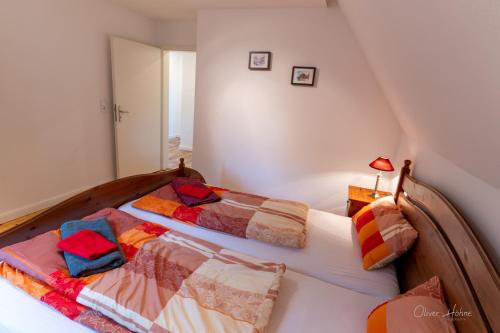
(304, 304)
(332, 253)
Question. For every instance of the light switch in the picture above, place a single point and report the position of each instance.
(103, 105)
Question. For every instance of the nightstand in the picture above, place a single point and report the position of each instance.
(360, 197)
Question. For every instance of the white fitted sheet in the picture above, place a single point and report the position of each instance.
(21, 313)
(332, 252)
(304, 304)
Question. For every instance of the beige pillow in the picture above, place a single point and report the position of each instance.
(383, 232)
(421, 309)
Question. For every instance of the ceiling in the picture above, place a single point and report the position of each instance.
(186, 9)
(439, 65)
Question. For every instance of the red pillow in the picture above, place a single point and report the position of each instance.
(87, 244)
(194, 191)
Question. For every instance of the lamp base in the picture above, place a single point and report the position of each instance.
(375, 194)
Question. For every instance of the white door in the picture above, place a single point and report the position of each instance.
(137, 94)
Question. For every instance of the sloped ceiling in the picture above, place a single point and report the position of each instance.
(439, 65)
(186, 9)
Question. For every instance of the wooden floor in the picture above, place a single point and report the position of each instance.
(14, 223)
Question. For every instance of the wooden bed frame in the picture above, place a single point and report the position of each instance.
(112, 194)
(446, 246)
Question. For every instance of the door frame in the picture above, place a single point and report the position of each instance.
(165, 97)
(165, 89)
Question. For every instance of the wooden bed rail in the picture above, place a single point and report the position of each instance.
(112, 194)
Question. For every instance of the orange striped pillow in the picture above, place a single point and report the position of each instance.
(383, 232)
(421, 309)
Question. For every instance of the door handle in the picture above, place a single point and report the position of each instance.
(119, 112)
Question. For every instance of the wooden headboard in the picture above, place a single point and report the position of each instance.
(447, 247)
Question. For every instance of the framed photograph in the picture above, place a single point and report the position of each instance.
(260, 61)
(303, 76)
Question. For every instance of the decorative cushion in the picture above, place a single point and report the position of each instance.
(383, 232)
(422, 309)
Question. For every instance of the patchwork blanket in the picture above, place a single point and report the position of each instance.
(280, 222)
(171, 283)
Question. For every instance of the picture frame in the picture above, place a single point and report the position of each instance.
(259, 60)
(303, 76)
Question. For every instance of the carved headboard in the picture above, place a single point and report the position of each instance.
(448, 248)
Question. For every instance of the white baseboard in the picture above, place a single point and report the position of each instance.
(46, 203)
(181, 147)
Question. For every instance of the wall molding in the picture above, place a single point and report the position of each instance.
(39, 205)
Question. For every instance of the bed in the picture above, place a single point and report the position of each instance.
(304, 304)
(332, 253)
(446, 247)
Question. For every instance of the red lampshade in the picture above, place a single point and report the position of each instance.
(382, 164)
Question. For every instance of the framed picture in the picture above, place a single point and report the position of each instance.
(259, 60)
(303, 76)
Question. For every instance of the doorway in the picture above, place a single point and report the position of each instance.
(181, 96)
(153, 112)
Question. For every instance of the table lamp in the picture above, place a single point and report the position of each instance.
(380, 164)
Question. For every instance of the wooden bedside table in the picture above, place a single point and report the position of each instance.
(360, 197)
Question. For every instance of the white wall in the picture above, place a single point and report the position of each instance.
(475, 199)
(176, 34)
(188, 98)
(256, 132)
(54, 70)
(182, 74)
(174, 94)
(438, 63)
